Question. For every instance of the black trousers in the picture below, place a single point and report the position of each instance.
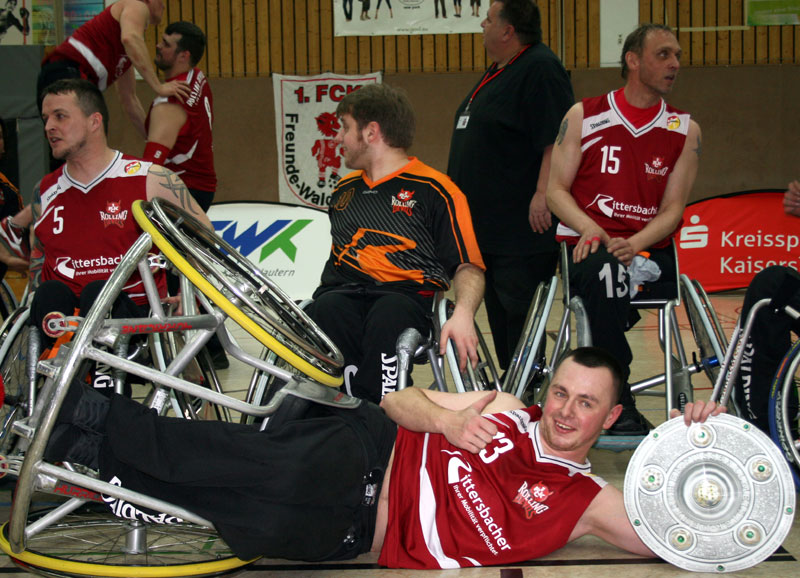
(603, 283)
(295, 492)
(769, 340)
(365, 322)
(511, 282)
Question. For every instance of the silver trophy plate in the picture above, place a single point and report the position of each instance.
(714, 497)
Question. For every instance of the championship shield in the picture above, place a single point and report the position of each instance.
(714, 497)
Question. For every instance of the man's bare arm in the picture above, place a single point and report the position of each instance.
(126, 90)
(564, 164)
(165, 184)
(606, 518)
(539, 215)
(37, 250)
(166, 120)
(455, 415)
(468, 283)
(133, 20)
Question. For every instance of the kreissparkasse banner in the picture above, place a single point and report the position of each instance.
(726, 240)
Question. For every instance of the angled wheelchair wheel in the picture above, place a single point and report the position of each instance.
(89, 543)
(14, 336)
(784, 413)
(481, 377)
(8, 301)
(701, 320)
(527, 369)
(241, 290)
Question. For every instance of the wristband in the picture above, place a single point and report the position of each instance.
(156, 153)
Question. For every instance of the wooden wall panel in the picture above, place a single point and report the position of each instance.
(248, 38)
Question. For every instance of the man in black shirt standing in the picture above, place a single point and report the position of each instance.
(500, 156)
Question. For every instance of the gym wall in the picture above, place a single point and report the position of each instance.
(749, 116)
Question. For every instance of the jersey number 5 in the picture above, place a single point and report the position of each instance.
(58, 221)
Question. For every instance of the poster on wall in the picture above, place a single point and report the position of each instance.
(34, 22)
(43, 25)
(725, 241)
(397, 17)
(309, 161)
(773, 12)
(15, 22)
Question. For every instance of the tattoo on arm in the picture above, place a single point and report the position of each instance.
(561, 132)
(36, 262)
(179, 194)
(699, 147)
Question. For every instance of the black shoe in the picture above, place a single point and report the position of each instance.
(69, 443)
(630, 423)
(85, 407)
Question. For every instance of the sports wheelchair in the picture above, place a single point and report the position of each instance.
(76, 540)
(531, 366)
(782, 407)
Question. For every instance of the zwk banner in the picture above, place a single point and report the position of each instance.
(310, 163)
(290, 244)
(726, 240)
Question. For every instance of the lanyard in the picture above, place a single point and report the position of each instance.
(489, 76)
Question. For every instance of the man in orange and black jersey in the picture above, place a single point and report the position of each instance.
(401, 232)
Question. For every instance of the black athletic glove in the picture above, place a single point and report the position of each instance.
(24, 12)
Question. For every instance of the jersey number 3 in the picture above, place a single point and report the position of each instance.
(503, 445)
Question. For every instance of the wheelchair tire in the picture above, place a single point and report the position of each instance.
(225, 276)
(90, 543)
(704, 331)
(13, 370)
(784, 419)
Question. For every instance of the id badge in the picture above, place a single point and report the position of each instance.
(462, 121)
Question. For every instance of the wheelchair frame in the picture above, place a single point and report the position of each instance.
(530, 366)
(80, 485)
(781, 422)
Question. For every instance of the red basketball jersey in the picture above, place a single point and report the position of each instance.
(624, 169)
(87, 228)
(449, 508)
(97, 48)
(192, 155)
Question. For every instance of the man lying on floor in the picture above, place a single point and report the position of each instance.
(471, 479)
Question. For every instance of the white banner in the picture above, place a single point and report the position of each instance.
(289, 243)
(309, 161)
(396, 17)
